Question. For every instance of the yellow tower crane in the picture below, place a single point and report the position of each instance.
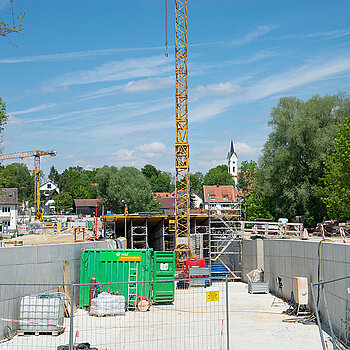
(182, 155)
(36, 154)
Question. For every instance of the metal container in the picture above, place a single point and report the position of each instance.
(114, 265)
(258, 287)
(43, 309)
(163, 269)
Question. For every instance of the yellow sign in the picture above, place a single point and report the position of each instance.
(213, 296)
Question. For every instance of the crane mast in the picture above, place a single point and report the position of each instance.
(36, 154)
(182, 156)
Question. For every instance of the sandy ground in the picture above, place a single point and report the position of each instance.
(50, 236)
(189, 323)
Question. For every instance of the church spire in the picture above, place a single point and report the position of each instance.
(232, 159)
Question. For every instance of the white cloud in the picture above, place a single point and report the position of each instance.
(148, 84)
(133, 86)
(139, 155)
(245, 39)
(34, 109)
(73, 55)
(217, 89)
(4, 3)
(131, 68)
(243, 149)
(303, 75)
(255, 34)
(209, 110)
(15, 121)
(270, 86)
(331, 34)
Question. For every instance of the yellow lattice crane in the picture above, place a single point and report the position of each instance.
(36, 154)
(182, 155)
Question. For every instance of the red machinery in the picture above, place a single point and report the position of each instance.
(193, 263)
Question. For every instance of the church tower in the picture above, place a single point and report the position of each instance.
(232, 162)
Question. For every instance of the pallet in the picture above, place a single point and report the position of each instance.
(53, 333)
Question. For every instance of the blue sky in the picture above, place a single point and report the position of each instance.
(89, 79)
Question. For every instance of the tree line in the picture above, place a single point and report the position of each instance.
(304, 169)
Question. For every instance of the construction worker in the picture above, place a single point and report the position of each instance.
(201, 207)
(126, 210)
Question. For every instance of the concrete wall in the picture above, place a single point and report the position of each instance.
(291, 258)
(249, 257)
(43, 263)
(36, 264)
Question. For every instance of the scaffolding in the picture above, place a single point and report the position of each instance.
(224, 229)
(138, 234)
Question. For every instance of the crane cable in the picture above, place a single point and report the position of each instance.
(166, 29)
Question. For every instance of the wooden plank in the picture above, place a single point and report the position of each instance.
(66, 280)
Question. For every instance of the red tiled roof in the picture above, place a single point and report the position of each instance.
(166, 203)
(221, 194)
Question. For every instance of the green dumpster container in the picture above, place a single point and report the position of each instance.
(163, 269)
(114, 265)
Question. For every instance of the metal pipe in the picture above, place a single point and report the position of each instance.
(317, 316)
(227, 317)
(71, 329)
(330, 281)
(329, 319)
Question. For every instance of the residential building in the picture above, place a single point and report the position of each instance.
(166, 201)
(87, 207)
(8, 210)
(48, 192)
(219, 197)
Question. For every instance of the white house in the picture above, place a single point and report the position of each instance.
(8, 210)
(48, 192)
(232, 162)
(196, 200)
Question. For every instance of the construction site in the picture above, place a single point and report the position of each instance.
(180, 277)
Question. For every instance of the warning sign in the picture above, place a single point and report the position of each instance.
(212, 295)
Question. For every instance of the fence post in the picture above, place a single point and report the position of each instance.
(227, 317)
(71, 330)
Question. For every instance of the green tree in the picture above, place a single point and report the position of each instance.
(160, 181)
(255, 205)
(154, 207)
(126, 183)
(17, 175)
(14, 25)
(247, 176)
(64, 202)
(218, 176)
(54, 175)
(337, 176)
(196, 181)
(3, 115)
(78, 182)
(292, 163)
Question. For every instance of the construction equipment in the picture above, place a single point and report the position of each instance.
(36, 154)
(182, 156)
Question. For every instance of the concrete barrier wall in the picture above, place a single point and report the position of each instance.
(292, 258)
(43, 263)
(36, 264)
(249, 257)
